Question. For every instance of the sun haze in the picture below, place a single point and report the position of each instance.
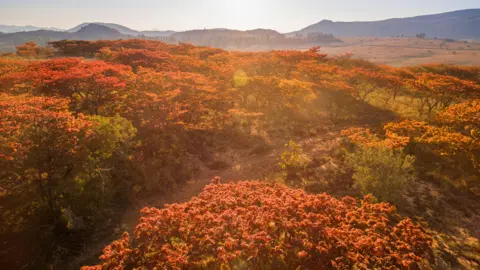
(178, 15)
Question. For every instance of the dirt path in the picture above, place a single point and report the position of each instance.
(244, 164)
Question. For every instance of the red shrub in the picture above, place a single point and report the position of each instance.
(255, 225)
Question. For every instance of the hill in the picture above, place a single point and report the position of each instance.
(212, 33)
(26, 28)
(10, 40)
(42, 37)
(260, 31)
(120, 28)
(96, 32)
(148, 124)
(251, 39)
(463, 24)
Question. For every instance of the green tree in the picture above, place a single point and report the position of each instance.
(381, 171)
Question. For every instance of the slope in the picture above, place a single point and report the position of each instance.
(463, 24)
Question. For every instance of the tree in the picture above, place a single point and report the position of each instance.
(366, 81)
(381, 171)
(57, 171)
(421, 35)
(29, 49)
(93, 87)
(256, 225)
(435, 90)
(136, 58)
(42, 145)
(465, 117)
(32, 50)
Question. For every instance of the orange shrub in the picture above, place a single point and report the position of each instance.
(255, 225)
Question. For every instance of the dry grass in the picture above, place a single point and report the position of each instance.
(396, 51)
(409, 51)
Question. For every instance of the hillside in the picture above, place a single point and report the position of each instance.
(10, 40)
(125, 30)
(96, 32)
(463, 24)
(27, 28)
(250, 39)
(42, 37)
(141, 123)
(120, 28)
(212, 33)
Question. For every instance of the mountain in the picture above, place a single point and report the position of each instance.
(263, 32)
(219, 33)
(27, 28)
(462, 24)
(42, 37)
(257, 38)
(125, 30)
(95, 32)
(8, 41)
(120, 28)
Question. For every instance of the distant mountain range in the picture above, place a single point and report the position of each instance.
(462, 24)
(125, 30)
(8, 41)
(27, 28)
(222, 32)
(85, 31)
(7, 29)
(220, 38)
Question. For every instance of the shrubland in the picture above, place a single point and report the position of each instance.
(255, 225)
(87, 127)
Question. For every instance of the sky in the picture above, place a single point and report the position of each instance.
(178, 15)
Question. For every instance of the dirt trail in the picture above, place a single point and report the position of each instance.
(244, 164)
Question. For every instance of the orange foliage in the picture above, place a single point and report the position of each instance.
(258, 225)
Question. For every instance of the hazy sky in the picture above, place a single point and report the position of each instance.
(281, 15)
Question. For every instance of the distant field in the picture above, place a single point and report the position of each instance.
(403, 51)
(410, 51)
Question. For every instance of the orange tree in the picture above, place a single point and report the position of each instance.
(28, 50)
(465, 118)
(139, 58)
(440, 140)
(93, 87)
(32, 50)
(45, 146)
(462, 72)
(435, 90)
(450, 142)
(367, 81)
(55, 168)
(174, 113)
(257, 225)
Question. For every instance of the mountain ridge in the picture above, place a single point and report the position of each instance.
(7, 29)
(460, 24)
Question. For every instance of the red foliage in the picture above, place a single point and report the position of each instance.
(22, 115)
(92, 86)
(255, 225)
(136, 58)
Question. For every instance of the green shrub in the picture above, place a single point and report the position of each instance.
(293, 157)
(292, 161)
(381, 171)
